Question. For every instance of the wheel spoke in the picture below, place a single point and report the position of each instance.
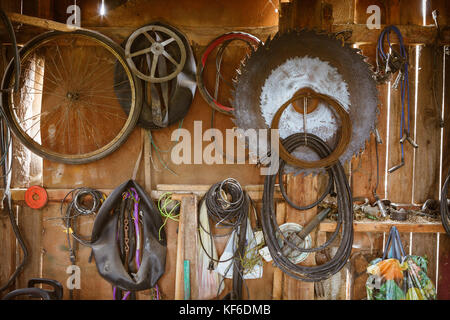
(154, 64)
(169, 57)
(138, 53)
(149, 37)
(166, 42)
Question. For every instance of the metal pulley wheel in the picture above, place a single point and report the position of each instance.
(164, 103)
(155, 50)
(294, 60)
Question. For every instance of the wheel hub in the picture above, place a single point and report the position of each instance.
(157, 48)
(72, 96)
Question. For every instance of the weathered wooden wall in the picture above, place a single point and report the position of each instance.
(201, 21)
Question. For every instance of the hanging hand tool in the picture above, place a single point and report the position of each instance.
(398, 62)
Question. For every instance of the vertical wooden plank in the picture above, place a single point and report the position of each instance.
(285, 17)
(426, 170)
(277, 287)
(8, 249)
(310, 14)
(364, 167)
(360, 10)
(30, 224)
(444, 243)
(189, 205)
(446, 130)
(93, 286)
(443, 286)
(166, 283)
(179, 278)
(307, 14)
(425, 245)
(45, 9)
(443, 7)
(303, 189)
(399, 182)
(147, 162)
(343, 11)
(55, 259)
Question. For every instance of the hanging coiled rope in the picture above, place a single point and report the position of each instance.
(344, 219)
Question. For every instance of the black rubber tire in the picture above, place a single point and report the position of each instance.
(57, 157)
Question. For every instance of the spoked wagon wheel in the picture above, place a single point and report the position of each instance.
(66, 108)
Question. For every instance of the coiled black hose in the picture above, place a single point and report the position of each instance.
(444, 204)
(344, 219)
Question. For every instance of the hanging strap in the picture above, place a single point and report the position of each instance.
(396, 248)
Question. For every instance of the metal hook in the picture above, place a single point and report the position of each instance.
(407, 137)
(395, 168)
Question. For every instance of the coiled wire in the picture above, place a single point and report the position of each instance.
(76, 209)
(228, 213)
(345, 218)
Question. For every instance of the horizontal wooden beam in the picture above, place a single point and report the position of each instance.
(201, 36)
(412, 34)
(40, 23)
(385, 226)
(57, 195)
(254, 191)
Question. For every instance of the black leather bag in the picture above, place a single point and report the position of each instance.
(106, 248)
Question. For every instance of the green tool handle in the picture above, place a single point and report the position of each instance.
(187, 281)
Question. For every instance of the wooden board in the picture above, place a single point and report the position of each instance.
(443, 286)
(304, 189)
(404, 175)
(386, 226)
(364, 167)
(426, 164)
(278, 277)
(30, 224)
(8, 249)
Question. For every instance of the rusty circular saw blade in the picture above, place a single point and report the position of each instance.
(355, 88)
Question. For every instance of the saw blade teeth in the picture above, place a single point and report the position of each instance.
(245, 89)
